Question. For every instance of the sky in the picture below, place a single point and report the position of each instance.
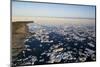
(51, 10)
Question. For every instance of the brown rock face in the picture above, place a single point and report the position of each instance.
(19, 33)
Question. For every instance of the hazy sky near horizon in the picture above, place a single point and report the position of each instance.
(51, 10)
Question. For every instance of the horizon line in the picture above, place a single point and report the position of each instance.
(58, 17)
